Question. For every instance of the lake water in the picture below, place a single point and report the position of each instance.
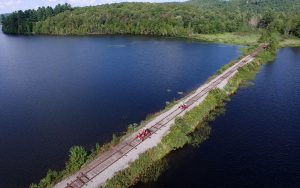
(56, 92)
(256, 143)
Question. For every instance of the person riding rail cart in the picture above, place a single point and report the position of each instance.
(143, 134)
(183, 106)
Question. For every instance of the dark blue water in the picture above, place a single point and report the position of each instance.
(256, 143)
(56, 92)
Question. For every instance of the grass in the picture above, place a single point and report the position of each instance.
(290, 42)
(150, 165)
(241, 38)
(229, 38)
(221, 70)
(184, 131)
(178, 136)
(52, 177)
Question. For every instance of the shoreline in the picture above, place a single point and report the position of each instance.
(223, 84)
(233, 38)
(194, 120)
(54, 177)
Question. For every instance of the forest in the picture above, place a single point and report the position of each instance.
(22, 22)
(161, 19)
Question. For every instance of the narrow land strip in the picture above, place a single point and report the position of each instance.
(97, 172)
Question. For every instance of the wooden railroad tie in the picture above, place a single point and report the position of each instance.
(120, 152)
(157, 128)
(159, 123)
(162, 125)
(82, 174)
(131, 145)
(153, 132)
(80, 180)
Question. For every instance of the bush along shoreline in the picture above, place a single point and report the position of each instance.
(215, 21)
(180, 134)
(192, 128)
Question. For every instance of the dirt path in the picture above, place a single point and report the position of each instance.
(118, 158)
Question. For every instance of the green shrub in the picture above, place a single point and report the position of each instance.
(192, 128)
(77, 158)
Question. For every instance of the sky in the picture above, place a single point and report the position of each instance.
(7, 6)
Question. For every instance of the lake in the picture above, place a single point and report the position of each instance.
(256, 143)
(57, 92)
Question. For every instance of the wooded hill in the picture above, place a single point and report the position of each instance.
(164, 19)
(22, 22)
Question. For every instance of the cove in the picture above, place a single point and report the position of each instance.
(256, 143)
(56, 92)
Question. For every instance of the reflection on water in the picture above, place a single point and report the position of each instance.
(56, 92)
(256, 143)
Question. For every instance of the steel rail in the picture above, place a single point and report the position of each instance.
(193, 100)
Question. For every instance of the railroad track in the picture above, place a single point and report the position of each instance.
(100, 164)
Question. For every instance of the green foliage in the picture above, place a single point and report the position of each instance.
(297, 29)
(284, 23)
(115, 139)
(164, 19)
(258, 6)
(192, 128)
(248, 72)
(245, 74)
(200, 135)
(22, 22)
(267, 18)
(98, 150)
(149, 164)
(167, 19)
(242, 38)
(270, 38)
(289, 42)
(77, 158)
(152, 172)
(47, 180)
(132, 127)
(1, 18)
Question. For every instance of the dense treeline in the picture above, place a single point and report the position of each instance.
(282, 16)
(22, 22)
(2, 17)
(254, 6)
(141, 18)
(194, 120)
(166, 19)
(178, 19)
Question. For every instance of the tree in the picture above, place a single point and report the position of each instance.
(77, 158)
(297, 29)
(22, 22)
(2, 18)
(267, 18)
(270, 38)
